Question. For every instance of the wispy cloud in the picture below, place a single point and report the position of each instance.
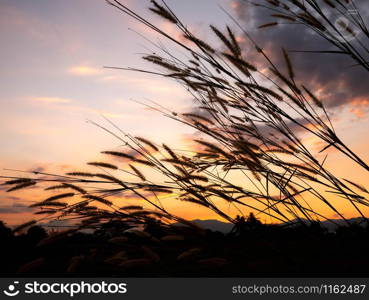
(51, 99)
(72, 105)
(84, 70)
(15, 208)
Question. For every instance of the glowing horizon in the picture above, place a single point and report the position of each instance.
(54, 80)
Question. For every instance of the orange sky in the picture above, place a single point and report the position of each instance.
(53, 81)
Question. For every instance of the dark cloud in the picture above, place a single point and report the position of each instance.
(13, 198)
(332, 75)
(4, 187)
(38, 169)
(294, 127)
(15, 208)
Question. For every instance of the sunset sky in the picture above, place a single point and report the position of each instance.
(52, 80)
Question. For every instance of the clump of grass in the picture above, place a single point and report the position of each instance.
(248, 130)
(320, 19)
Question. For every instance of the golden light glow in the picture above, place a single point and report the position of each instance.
(84, 71)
